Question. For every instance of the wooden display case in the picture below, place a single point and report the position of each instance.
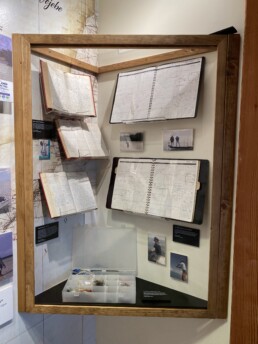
(227, 48)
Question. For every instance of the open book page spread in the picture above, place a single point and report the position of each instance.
(67, 93)
(67, 193)
(160, 187)
(81, 138)
(163, 92)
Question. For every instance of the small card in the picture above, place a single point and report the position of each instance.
(185, 235)
(46, 232)
(43, 129)
(155, 296)
(6, 304)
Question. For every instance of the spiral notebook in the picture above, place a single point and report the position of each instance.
(163, 92)
(167, 188)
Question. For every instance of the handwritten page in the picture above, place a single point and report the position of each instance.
(163, 92)
(67, 193)
(131, 185)
(173, 190)
(94, 139)
(132, 98)
(67, 93)
(160, 187)
(81, 138)
(58, 194)
(81, 190)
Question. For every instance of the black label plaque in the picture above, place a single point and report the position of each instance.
(185, 235)
(155, 296)
(43, 129)
(46, 232)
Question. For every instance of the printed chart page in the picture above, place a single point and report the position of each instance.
(173, 189)
(131, 185)
(167, 91)
(175, 91)
(165, 188)
(132, 98)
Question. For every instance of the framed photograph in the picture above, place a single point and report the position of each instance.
(6, 84)
(181, 139)
(157, 248)
(131, 142)
(179, 267)
(6, 256)
(5, 190)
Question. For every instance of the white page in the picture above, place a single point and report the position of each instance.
(82, 191)
(81, 138)
(167, 91)
(73, 137)
(58, 194)
(176, 89)
(174, 187)
(71, 93)
(131, 185)
(132, 97)
(92, 135)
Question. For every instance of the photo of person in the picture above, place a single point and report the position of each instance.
(179, 267)
(44, 153)
(181, 139)
(131, 142)
(157, 248)
(6, 256)
(5, 190)
(6, 85)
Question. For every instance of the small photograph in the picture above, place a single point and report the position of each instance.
(181, 139)
(157, 248)
(44, 146)
(179, 267)
(131, 142)
(5, 190)
(6, 256)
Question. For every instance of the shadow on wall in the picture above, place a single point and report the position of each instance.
(128, 330)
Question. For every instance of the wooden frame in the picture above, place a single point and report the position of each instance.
(227, 47)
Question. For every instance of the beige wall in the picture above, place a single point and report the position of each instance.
(165, 17)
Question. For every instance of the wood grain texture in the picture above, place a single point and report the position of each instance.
(19, 158)
(244, 319)
(181, 53)
(228, 157)
(65, 60)
(223, 164)
(216, 180)
(123, 311)
(123, 41)
(23, 155)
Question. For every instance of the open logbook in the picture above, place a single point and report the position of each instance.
(66, 93)
(173, 189)
(67, 193)
(167, 91)
(81, 138)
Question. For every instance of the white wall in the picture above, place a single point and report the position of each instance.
(203, 126)
(118, 17)
(165, 17)
(19, 16)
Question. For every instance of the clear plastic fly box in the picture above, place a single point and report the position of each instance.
(104, 261)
